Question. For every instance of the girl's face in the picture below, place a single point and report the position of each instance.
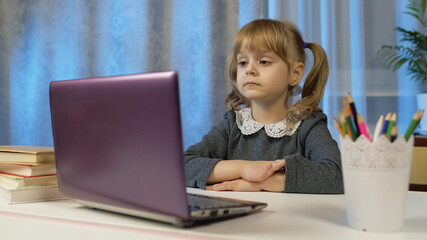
(262, 76)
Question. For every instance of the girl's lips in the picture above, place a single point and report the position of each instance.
(251, 83)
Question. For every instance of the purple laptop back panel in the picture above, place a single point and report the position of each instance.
(118, 141)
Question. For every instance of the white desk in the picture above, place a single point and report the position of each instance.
(288, 216)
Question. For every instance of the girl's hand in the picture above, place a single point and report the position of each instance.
(257, 171)
(275, 183)
(240, 185)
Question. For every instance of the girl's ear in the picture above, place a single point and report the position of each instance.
(297, 73)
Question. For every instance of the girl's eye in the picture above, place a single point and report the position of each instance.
(242, 63)
(264, 62)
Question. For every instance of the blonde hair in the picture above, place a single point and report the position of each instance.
(285, 40)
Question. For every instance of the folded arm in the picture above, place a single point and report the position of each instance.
(254, 171)
(274, 183)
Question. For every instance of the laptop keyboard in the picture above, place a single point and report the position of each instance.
(201, 202)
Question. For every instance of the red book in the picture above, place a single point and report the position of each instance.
(420, 140)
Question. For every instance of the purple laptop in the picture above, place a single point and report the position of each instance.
(118, 147)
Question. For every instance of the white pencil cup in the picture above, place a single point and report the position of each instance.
(376, 181)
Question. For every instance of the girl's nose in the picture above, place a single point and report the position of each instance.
(250, 69)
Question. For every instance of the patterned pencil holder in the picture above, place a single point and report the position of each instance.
(376, 180)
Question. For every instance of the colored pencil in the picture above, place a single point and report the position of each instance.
(348, 130)
(385, 125)
(353, 111)
(378, 127)
(339, 127)
(350, 126)
(390, 125)
(416, 118)
(343, 124)
(347, 113)
(344, 102)
(362, 127)
(393, 133)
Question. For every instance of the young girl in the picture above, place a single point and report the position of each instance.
(263, 143)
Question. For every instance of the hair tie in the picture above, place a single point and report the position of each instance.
(305, 45)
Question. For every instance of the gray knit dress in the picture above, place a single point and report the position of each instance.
(313, 162)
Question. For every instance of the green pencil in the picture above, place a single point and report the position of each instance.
(344, 128)
(350, 126)
(413, 124)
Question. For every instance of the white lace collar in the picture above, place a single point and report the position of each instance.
(248, 125)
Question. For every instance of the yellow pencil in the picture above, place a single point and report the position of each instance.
(390, 125)
(393, 133)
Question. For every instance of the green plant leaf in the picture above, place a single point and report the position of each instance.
(412, 53)
(392, 62)
(415, 15)
(423, 6)
(399, 63)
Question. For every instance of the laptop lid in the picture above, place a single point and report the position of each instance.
(118, 141)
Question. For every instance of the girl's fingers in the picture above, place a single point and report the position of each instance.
(263, 173)
(278, 164)
(270, 169)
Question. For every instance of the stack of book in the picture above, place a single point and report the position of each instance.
(27, 174)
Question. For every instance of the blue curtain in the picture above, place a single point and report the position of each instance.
(44, 40)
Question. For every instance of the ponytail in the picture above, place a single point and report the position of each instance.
(314, 85)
